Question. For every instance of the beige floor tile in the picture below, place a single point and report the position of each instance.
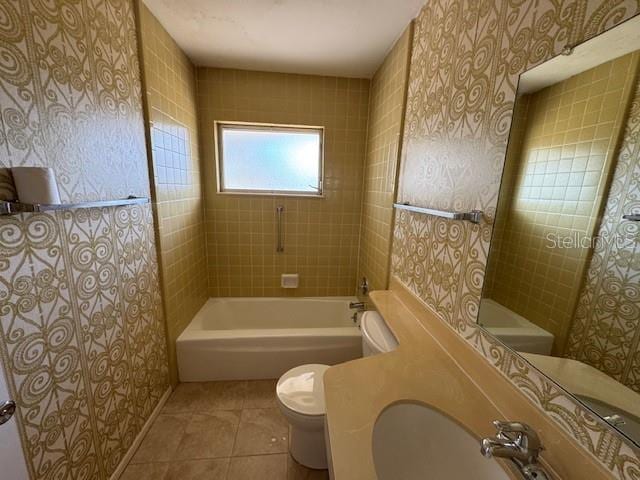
(145, 471)
(295, 471)
(262, 467)
(261, 430)
(184, 397)
(162, 439)
(209, 435)
(261, 394)
(221, 396)
(198, 470)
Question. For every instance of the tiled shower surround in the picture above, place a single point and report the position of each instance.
(170, 88)
(320, 234)
(386, 112)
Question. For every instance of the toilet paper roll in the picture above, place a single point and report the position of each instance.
(36, 185)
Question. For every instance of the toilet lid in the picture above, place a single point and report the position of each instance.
(301, 389)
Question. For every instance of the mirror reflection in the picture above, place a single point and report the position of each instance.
(563, 277)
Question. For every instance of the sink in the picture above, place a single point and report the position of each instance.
(413, 441)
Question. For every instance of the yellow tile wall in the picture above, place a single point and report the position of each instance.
(171, 97)
(321, 234)
(511, 168)
(386, 112)
(572, 129)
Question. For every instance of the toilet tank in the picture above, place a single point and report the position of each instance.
(376, 336)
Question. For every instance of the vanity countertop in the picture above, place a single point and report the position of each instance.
(420, 369)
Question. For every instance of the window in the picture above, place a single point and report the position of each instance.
(269, 159)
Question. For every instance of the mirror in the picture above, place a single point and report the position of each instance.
(562, 285)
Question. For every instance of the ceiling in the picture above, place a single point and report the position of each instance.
(324, 37)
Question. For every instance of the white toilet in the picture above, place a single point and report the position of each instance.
(300, 393)
(376, 336)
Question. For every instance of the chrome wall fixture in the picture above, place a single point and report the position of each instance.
(279, 214)
(473, 216)
(7, 409)
(14, 208)
(364, 286)
(633, 217)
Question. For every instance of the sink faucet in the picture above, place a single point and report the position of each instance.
(519, 443)
(615, 420)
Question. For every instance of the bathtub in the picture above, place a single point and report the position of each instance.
(514, 330)
(260, 338)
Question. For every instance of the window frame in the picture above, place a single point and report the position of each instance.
(219, 125)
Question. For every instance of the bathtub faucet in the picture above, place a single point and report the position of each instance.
(358, 307)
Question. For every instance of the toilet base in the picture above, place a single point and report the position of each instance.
(307, 447)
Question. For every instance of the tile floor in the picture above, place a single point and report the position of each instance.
(219, 431)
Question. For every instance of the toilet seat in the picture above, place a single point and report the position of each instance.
(301, 390)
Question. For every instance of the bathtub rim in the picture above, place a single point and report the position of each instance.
(205, 355)
(273, 333)
(521, 325)
(194, 330)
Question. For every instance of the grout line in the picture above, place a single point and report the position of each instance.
(235, 437)
(261, 455)
(203, 459)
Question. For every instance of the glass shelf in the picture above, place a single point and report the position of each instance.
(14, 208)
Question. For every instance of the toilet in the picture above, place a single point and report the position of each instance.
(376, 336)
(300, 394)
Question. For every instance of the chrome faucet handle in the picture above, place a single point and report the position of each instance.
(510, 426)
(358, 305)
(518, 442)
(497, 447)
(513, 427)
(522, 435)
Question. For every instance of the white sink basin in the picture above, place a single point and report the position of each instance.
(413, 441)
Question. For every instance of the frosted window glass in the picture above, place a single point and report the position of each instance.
(270, 159)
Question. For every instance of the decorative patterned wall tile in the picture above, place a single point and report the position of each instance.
(139, 282)
(82, 338)
(465, 64)
(81, 323)
(605, 331)
(72, 71)
(93, 279)
(41, 351)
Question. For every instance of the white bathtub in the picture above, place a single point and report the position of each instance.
(254, 338)
(514, 330)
